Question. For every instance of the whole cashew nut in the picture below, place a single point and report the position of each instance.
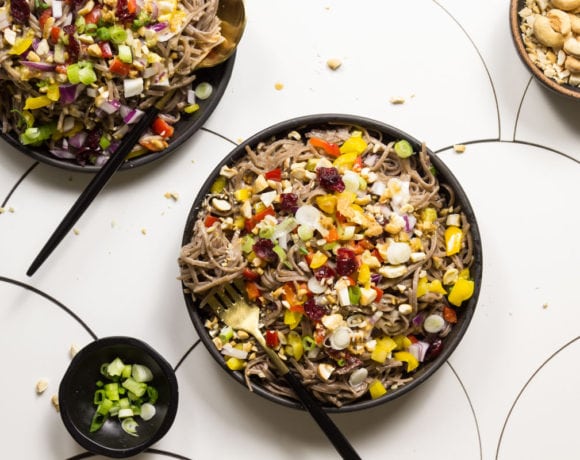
(572, 64)
(560, 21)
(575, 23)
(566, 5)
(572, 46)
(545, 34)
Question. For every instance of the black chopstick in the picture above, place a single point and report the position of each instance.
(98, 183)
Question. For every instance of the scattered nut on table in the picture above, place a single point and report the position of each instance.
(41, 386)
(334, 63)
(551, 34)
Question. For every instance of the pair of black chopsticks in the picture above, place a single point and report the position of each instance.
(98, 182)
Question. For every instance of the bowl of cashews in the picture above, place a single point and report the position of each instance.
(547, 38)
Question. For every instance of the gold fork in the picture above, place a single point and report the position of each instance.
(230, 305)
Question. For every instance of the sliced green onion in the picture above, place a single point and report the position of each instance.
(152, 394)
(99, 397)
(203, 90)
(112, 391)
(148, 411)
(129, 426)
(125, 54)
(137, 388)
(118, 34)
(115, 368)
(97, 422)
(103, 33)
(403, 149)
(226, 334)
(308, 343)
(141, 373)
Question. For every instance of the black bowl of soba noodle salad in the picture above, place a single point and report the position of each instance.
(357, 243)
(77, 74)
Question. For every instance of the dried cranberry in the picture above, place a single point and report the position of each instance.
(344, 359)
(289, 202)
(346, 263)
(93, 139)
(73, 48)
(330, 179)
(435, 348)
(313, 310)
(20, 11)
(122, 13)
(264, 249)
(324, 272)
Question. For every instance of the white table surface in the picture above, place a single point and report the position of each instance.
(511, 388)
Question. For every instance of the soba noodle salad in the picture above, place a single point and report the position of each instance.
(76, 74)
(358, 257)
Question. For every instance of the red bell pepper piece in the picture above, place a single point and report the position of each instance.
(328, 147)
(119, 67)
(250, 275)
(252, 290)
(162, 128)
(251, 222)
(272, 339)
(449, 315)
(210, 220)
(275, 175)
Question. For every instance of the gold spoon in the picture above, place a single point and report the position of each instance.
(233, 22)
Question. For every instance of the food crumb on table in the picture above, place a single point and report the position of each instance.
(279, 86)
(334, 63)
(545, 305)
(54, 401)
(73, 350)
(41, 386)
(76, 231)
(144, 231)
(397, 100)
(459, 148)
(172, 195)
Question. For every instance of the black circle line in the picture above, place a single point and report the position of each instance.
(186, 354)
(146, 451)
(470, 407)
(215, 133)
(51, 299)
(500, 439)
(482, 61)
(520, 108)
(15, 186)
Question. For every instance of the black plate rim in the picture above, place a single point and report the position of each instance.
(219, 76)
(324, 119)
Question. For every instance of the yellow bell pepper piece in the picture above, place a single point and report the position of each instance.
(377, 389)
(437, 287)
(402, 342)
(22, 44)
(406, 357)
(235, 364)
(464, 274)
(429, 215)
(53, 93)
(36, 102)
(242, 194)
(292, 318)
(382, 349)
(461, 290)
(453, 240)
(294, 348)
(345, 161)
(191, 108)
(326, 203)
(353, 145)
(364, 275)
(422, 287)
(239, 222)
(318, 260)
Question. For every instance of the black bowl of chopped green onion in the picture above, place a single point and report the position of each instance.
(118, 397)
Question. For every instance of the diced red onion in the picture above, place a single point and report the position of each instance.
(234, 352)
(190, 96)
(419, 350)
(42, 66)
(418, 320)
(376, 278)
(133, 116)
(110, 107)
(158, 26)
(101, 160)
(69, 93)
(78, 140)
(410, 222)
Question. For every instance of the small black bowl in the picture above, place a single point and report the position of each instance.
(386, 133)
(78, 386)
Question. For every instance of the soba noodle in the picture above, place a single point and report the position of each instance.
(75, 79)
(400, 301)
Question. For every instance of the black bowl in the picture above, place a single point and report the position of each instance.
(188, 125)
(387, 133)
(77, 389)
(563, 89)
